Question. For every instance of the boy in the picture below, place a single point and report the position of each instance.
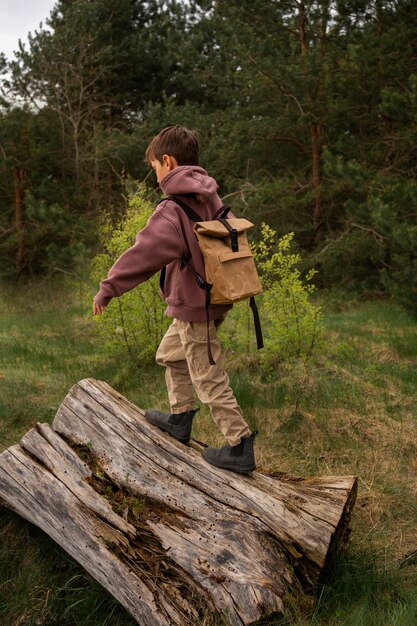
(166, 241)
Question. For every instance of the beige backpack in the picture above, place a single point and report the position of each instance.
(228, 261)
(230, 269)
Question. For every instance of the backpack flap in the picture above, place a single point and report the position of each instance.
(215, 228)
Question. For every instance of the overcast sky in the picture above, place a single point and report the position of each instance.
(18, 18)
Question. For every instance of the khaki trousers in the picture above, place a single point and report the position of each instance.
(183, 352)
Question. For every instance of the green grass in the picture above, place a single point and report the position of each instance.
(48, 343)
(350, 411)
(41, 584)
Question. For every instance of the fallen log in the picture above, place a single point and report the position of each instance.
(170, 537)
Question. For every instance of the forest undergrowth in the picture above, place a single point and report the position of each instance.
(349, 410)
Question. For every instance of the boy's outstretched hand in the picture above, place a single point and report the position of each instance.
(97, 309)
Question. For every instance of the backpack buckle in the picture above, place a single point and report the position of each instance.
(233, 240)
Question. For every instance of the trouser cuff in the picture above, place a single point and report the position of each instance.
(234, 441)
(183, 409)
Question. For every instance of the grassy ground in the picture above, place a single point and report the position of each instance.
(351, 412)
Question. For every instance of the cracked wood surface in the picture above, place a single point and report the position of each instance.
(218, 542)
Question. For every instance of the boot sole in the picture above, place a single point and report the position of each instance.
(235, 470)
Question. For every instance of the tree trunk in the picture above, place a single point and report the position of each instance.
(19, 194)
(315, 128)
(302, 31)
(172, 538)
(316, 150)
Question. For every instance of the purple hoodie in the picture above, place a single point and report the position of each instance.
(167, 238)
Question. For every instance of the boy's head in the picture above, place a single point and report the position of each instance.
(173, 146)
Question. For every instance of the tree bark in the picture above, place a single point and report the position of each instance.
(315, 127)
(316, 151)
(172, 538)
(19, 194)
(302, 23)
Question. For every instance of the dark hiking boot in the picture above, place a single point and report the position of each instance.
(240, 458)
(178, 426)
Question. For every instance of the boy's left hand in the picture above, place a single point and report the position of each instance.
(97, 308)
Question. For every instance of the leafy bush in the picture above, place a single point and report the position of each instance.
(292, 325)
(134, 322)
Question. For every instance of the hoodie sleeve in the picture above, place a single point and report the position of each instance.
(156, 245)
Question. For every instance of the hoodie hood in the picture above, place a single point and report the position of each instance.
(186, 179)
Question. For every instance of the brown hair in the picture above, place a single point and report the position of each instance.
(176, 141)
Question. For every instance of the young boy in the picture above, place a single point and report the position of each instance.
(166, 241)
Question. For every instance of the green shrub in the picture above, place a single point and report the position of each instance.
(134, 322)
(291, 324)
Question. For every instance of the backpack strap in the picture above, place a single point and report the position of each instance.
(222, 212)
(194, 217)
(233, 234)
(207, 288)
(257, 323)
(219, 215)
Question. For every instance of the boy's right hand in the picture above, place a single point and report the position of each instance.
(97, 308)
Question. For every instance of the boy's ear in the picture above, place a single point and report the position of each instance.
(169, 161)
